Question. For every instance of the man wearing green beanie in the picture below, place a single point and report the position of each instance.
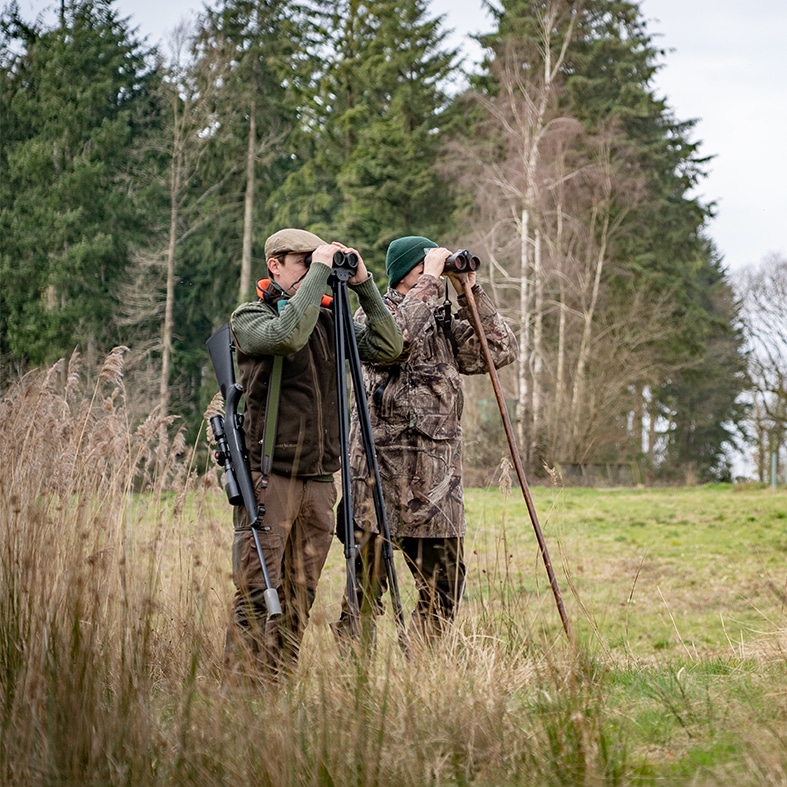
(403, 255)
(415, 407)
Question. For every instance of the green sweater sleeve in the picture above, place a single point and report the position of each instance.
(379, 339)
(259, 331)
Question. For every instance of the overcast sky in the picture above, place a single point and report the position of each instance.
(724, 67)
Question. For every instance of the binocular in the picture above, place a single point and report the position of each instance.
(341, 260)
(347, 260)
(461, 261)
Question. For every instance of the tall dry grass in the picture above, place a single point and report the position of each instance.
(112, 619)
(114, 593)
(88, 639)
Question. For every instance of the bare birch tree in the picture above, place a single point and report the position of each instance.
(551, 200)
(506, 180)
(763, 293)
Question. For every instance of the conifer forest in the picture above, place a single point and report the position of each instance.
(138, 186)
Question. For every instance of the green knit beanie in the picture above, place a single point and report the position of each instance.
(404, 254)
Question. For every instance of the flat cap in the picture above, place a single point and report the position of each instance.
(291, 239)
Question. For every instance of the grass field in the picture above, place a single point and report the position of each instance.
(694, 572)
(676, 597)
(114, 607)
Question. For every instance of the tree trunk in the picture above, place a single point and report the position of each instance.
(584, 346)
(523, 404)
(652, 418)
(638, 421)
(538, 331)
(537, 109)
(558, 437)
(169, 304)
(248, 209)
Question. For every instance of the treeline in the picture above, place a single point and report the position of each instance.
(137, 188)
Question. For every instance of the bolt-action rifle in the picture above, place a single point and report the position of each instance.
(232, 455)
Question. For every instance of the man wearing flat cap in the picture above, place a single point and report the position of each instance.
(300, 494)
(415, 406)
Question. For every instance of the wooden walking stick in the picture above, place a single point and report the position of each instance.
(476, 317)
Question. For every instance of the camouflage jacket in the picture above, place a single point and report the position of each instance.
(415, 407)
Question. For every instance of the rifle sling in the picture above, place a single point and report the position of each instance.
(269, 430)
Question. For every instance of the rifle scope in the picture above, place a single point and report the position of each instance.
(224, 459)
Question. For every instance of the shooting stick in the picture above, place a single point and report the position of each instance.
(476, 317)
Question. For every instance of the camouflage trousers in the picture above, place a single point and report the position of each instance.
(299, 523)
(438, 568)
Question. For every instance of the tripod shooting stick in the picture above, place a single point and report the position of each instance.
(347, 349)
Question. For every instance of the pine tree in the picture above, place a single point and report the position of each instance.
(251, 63)
(256, 59)
(389, 180)
(375, 140)
(74, 99)
(702, 401)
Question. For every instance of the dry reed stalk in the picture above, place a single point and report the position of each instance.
(80, 605)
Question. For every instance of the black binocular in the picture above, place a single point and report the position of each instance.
(461, 261)
(347, 260)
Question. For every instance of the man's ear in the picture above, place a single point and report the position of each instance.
(274, 266)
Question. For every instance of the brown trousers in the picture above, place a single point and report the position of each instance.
(299, 525)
